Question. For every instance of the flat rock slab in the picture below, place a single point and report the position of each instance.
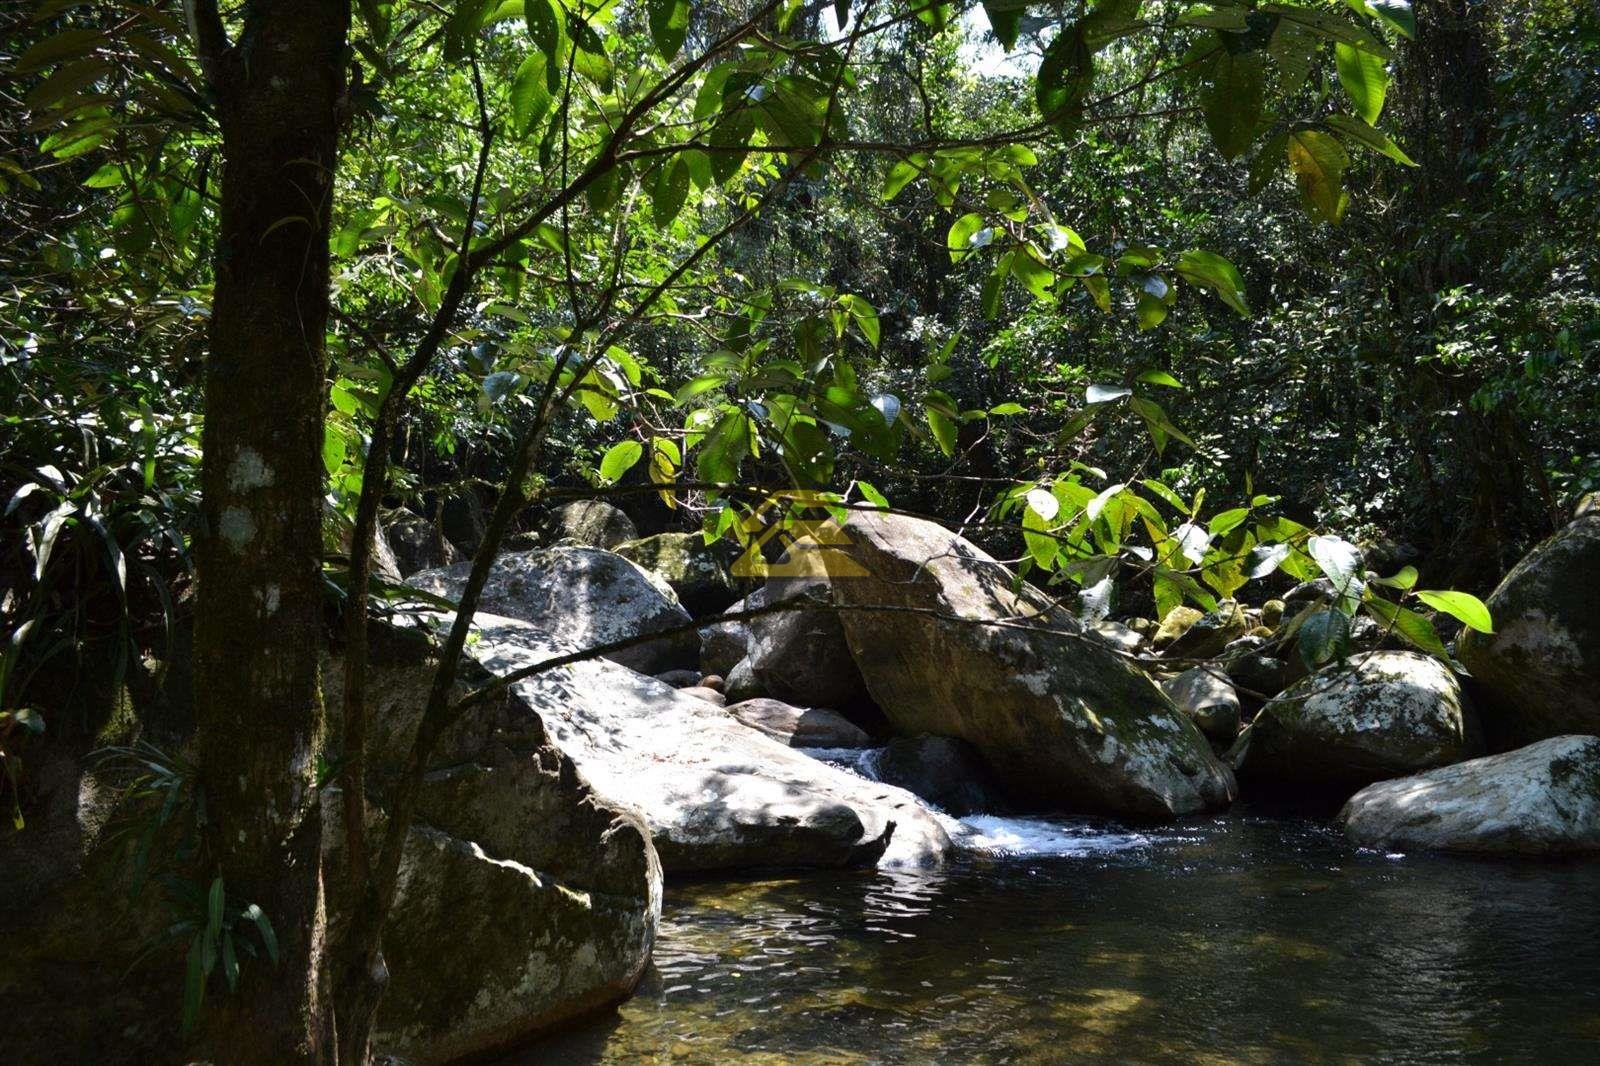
(1543, 799)
(715, 793)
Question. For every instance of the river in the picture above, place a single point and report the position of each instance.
(1248, 937)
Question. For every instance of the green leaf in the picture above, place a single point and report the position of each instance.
(1397, 14)
(902, 174)
(1159, 377)
(1341, 564)
(671, 191)
(544, 26)
(1233, 100)
(669, 24)
(269, 939)
(1007, 409)
(530, 96)
(619, 459)
(966, 233)
(1364, 79)
(1064, 79)
(1215, 273)
(870, 493)
(1323, 637)
(944, 430)
(1005, 19)
(1413, 627)
(1363, 134)
(1319, 162)
(1462, 606)
(865, 317)
(1405, 579)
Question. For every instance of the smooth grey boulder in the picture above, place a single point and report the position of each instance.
(801, 727)
(418, 544)
(717, 794)
(1064, 722)
(947, 772)
(588, 523)
(1543, 799)
(524, 897)
(695, 570)
(1538, 674)
(1117, 636)
(1204, 694)
(1378, 715)
(584, 597)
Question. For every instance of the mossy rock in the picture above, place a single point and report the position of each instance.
(696, 571)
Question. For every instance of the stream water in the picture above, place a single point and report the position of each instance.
(1244, 938)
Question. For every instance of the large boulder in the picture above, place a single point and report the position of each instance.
(1538, 674)
(1378, 715)
(723, 643)
(695, 570)
(590, 523)
(801, 727)
(337, 533)
(583, 597)
(524, 897)
(717, 794)
(1204, 694)
(945, 771)
(418, 544)
(1063, 721)
(1540, 800)
(802, 656)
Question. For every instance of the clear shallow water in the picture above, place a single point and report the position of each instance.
(1241, 939)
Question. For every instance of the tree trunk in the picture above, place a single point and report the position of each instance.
(259, 616)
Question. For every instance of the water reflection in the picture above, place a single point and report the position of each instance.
(1243, 939)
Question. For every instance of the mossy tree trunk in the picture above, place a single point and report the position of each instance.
(259, 621)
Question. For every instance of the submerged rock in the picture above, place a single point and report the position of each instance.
(1540, 800)
(583, 597)
(695, 570)
(717, 794)
(947, 772)
(1539, 673)
(1379, 715)
(588, 523)
(1064, 722)
(801, 727)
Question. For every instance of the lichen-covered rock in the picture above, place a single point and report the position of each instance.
(1204, 694)
(1383, 714)
(1174, 625)
(524, 898)
(1117, 636)
(716, 794)
(695, 570)
(1064, 722)
(1538, 674)
(947, 772)
(418, 544)
(801, 727)
(801, 656)
(588, 523)
(1543, 799)
(584, 597)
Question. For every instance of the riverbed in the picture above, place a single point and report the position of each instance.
(1248, 937)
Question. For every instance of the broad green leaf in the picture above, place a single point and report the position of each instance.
(870, 493)
(619, 459)
(1363, 134)
(1233, 100)
(670, 192)
(1364, 79)
(544, 26)
(1341, 564)
(1064, 79)
(1413, 627)
(669, 23)
(1405, 579)
(530, 96)
(1319, 163)
(1159, 377)
(1215, 273)
(1005, 19)
(1462, 606)
(1323, 637)
(903, 173)
(966, 233)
